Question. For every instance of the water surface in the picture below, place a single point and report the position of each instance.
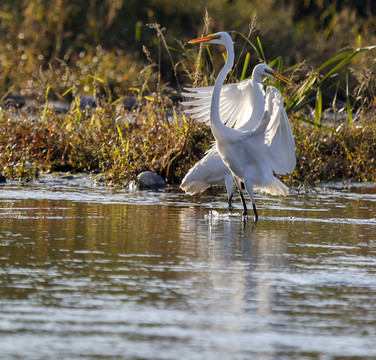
(99, 273)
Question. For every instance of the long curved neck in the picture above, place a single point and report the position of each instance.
(256, 75)
(218, 128)
(257, 101)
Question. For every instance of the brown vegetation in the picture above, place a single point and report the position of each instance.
(65, 51)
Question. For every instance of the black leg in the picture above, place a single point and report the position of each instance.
(255, 211)
(230, 207)
(249, 187)
(245, 210)
(239, 185)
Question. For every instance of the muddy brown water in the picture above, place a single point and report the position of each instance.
(98, 273)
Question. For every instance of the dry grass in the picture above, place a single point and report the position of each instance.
(116, 143)
(324, 156)
(110, 141)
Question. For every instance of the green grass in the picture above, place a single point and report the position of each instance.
(115, 143)
(111, 142)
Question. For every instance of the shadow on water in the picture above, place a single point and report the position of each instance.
(95, 272)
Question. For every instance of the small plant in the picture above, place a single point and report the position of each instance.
(116, 141)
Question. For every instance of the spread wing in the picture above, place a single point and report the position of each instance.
(278, 134)
(236, 104)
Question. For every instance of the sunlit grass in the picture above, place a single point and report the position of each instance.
(115, 143)
(110, 141)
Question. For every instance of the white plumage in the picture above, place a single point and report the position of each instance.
(251, 128)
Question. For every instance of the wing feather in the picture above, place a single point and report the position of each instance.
(236, 104)
(278, 134)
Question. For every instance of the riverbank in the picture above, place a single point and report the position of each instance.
(114, 116)
(115, 143)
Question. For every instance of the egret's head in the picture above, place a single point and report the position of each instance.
(217, 38)
(263, 69)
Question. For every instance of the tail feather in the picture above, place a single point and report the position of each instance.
(274, 187)
(194, 187)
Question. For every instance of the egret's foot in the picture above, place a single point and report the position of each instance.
(245, 212)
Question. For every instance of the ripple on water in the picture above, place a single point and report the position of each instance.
(91, 272)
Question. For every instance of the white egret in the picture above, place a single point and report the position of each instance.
(251, 128)
(253, 102)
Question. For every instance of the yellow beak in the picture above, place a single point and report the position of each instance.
(202, 39)
(280, 76)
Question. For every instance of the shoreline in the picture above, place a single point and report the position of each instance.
(117, 144)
